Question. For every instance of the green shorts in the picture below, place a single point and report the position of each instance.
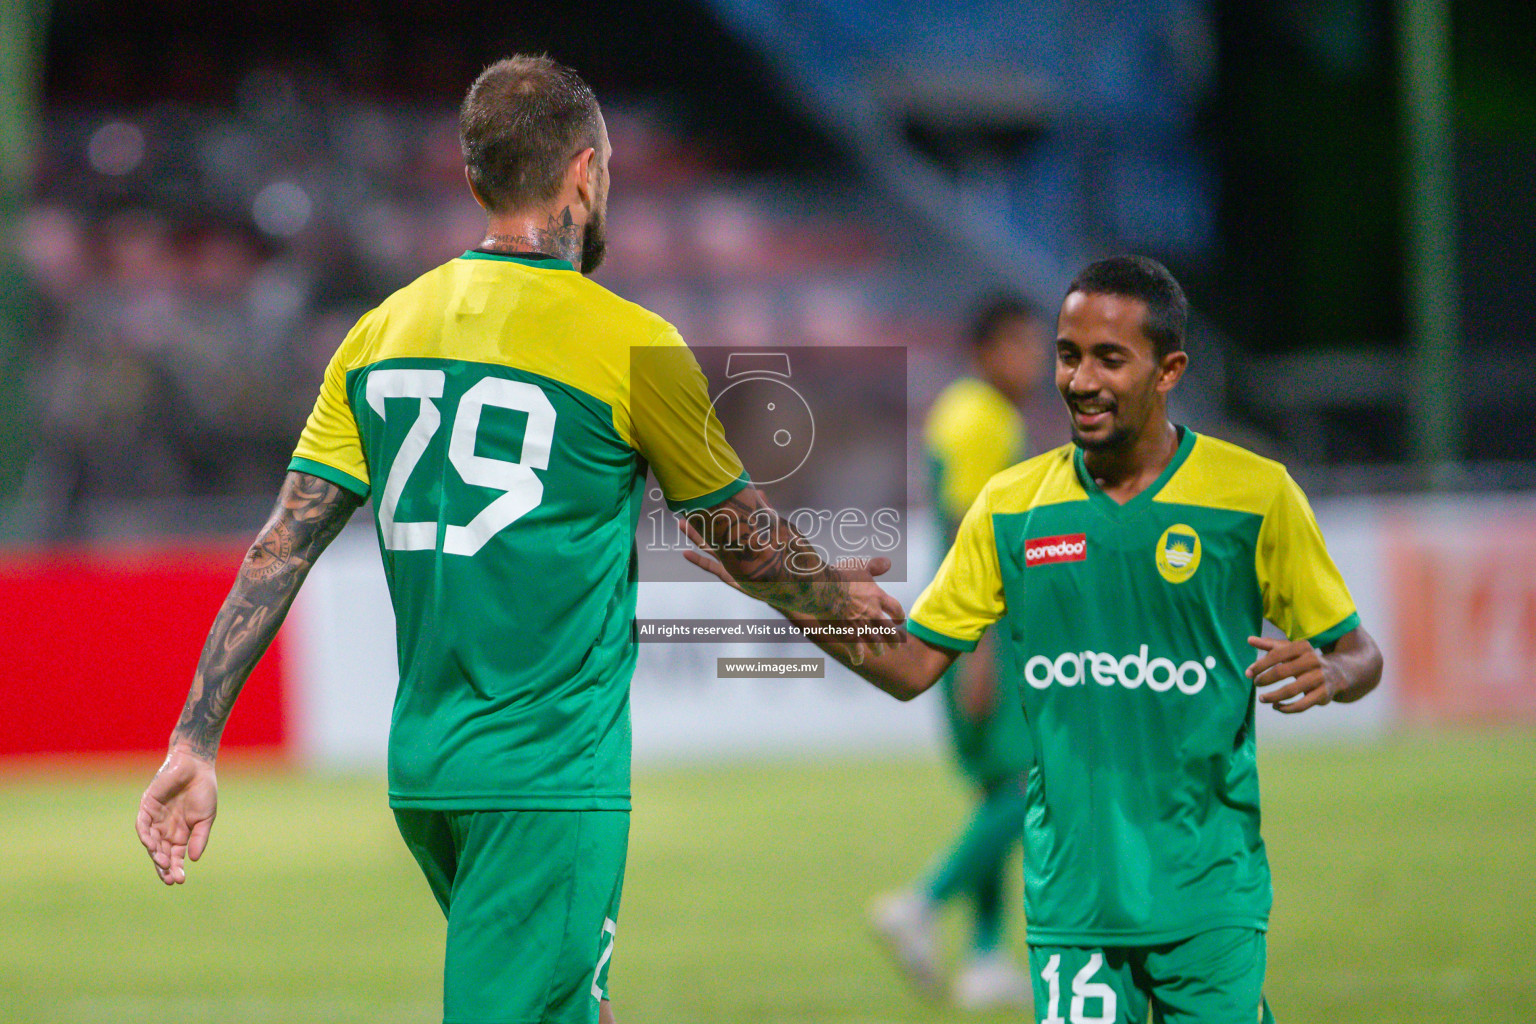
(1216, 977)
(532, 901)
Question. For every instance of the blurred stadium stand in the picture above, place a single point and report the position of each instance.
(216, 199)
(197, 269)
(1071, 125)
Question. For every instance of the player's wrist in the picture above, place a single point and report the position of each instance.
(185, 748)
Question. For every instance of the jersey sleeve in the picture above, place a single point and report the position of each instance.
(330, 446)
(969, 444)
(674, 426)
(1304, 592)
(966, 595)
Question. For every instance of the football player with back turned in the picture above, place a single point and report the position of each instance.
(501, 411)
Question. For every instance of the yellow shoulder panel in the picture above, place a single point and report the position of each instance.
(548, 321)
(964, 405)
(330, 446)
(1219, 474)
(1304, 592)
(1047, 479)
(966, 595)
(558, 324)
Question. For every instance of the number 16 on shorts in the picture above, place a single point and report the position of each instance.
(1067, 981)
(1212, 977)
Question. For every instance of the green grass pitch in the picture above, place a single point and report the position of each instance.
(1405, 874)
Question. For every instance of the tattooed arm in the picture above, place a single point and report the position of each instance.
(769, 560)
(903, 668)
(177, 810)
(309, 513)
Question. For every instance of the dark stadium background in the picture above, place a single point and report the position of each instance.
(199, 199)
(1258, 148)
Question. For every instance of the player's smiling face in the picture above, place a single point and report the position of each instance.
(1108, 372)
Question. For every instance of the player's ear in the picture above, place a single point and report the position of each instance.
(1171, 369)
(582, 173)
(469, 179)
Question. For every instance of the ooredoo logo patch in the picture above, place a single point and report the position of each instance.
(1071, 547)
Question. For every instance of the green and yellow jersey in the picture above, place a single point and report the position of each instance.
(1127, 627)
(973, 432)
(502, 412)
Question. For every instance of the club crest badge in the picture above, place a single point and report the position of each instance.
(1178, 553)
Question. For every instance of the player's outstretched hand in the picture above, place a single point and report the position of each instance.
(1313, 681)
(871, 604)
(176, 813)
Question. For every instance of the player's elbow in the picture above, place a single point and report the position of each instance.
(907, 687)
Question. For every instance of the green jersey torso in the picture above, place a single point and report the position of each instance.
(1127, 628)
(492, 411)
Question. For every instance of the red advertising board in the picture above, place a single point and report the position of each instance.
(1464, 595)
(97, 649)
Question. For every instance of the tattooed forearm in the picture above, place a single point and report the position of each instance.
(559, 236)
(309, 513)
(769, 559)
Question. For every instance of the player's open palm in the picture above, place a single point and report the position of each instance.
(176, 814)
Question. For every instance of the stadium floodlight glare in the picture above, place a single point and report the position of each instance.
(116, 148)
(282, 209)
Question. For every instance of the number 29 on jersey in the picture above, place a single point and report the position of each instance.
(520, 488)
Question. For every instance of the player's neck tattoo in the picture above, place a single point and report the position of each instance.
(558, 236)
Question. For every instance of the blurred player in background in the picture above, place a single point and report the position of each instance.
(501, 412)
(974, 431)
(1129, 574)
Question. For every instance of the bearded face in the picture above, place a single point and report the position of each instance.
(1108, 371)
(594, 242)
